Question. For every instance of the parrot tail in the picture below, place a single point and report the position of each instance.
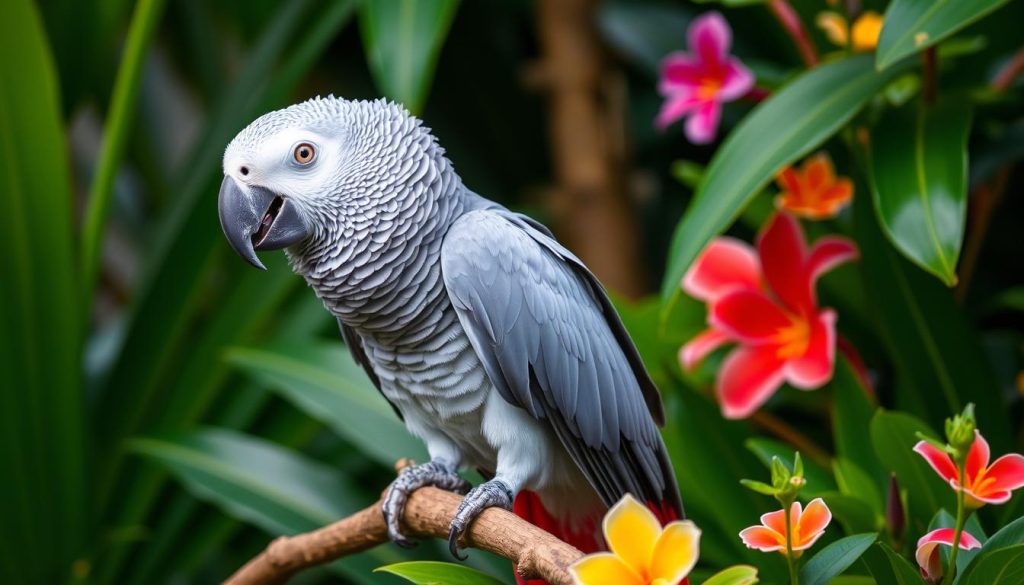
(585, 535)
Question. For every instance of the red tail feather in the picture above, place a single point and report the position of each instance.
(585, 535)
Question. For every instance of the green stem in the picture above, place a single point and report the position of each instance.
(122, 106)
(961, 519)
(793, 580)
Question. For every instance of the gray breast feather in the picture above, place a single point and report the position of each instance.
(551, 344)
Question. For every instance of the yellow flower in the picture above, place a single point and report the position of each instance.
(863, 36)
(866, 29)
(642, 552)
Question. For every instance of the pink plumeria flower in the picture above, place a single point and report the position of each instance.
(928, 554)
(983, 483)
(764, 301)
(695, 84)
(807, 526)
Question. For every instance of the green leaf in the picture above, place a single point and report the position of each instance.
(325, 381)
(1004, 566)
(894, 435)
(914, 25)
(944, 519)
(1010, 535)
(835, 558)
(889, 568)
(438, 573)
(737, 575)
(852, 512)
(276, 489)
(778, 131)
(919, 182)
(939, 358)
(854, 481)
(402, 39)
(852, 409)
(44, 500)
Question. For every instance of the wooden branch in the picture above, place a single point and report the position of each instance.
(536, 553)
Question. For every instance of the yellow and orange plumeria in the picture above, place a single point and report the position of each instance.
(807, 526)
(642, 552)
(813, 191)
(862, 37)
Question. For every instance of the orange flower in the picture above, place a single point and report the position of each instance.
(814, 191)
(865, 31)
(643, 553)
(807, 525)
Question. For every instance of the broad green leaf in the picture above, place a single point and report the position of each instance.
(852, 512)
(780, 130)
(1010, 535)
(438, 573)
(914, 25)
(325, 381)
(889, 568)
(854, 481)
(919, 182)
(644, 32)
(262, 483)
(894, 435)
(939, 359)
(835, 558)
(738, 575)
(818, 478)
(44, 499)
(852, 409)
(1003, 566)
(402, 39)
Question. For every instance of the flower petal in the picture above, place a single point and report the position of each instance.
(703, 122)
(675, 107)
(603, 569)
(812, 523)
(938, 459)
(748, 316)
(782, 251)
(1008, 472)
(631, 531)
(777, 520)
(709, 37)
(699, 347)
(676, 551)
(827, 253)
(749, 376)
(737, 81)
(726, 264)
(763, 539)
(945, 536)
(818, 172)
(814, 368)
(977, 457)
(679, 71)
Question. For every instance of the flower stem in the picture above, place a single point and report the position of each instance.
(931, 75)
(961, 519)
(793, 580)
(790, 21)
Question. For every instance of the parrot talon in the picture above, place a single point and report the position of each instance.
(410, 479)
(490, 494)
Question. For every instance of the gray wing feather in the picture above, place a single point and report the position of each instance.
(552, 344)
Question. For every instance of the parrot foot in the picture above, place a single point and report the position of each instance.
(410, 479)
(490, 494)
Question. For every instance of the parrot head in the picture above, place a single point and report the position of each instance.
(315, 171)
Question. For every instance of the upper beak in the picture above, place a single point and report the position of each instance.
(255, 218)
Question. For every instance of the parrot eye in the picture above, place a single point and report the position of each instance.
(304, 153)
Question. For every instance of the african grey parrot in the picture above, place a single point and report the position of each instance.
(494, 343)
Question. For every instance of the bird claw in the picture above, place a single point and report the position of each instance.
(490, 494)
(410, 479)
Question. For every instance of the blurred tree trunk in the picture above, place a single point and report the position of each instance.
(593, 214)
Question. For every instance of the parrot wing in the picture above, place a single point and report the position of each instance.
(355, 346)
(552, 344)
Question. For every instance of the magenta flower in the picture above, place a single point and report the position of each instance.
(695, 84)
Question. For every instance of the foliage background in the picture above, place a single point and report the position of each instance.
(165, 409)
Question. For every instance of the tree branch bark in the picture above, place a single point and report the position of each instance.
(536, 553)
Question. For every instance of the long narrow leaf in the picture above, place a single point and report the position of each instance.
(914, 25)
(43, 498)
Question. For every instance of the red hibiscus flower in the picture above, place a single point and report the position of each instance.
(764, 301)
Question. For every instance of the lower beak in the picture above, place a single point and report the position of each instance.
(255, 218)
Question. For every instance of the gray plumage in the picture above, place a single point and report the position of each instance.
(493, 342)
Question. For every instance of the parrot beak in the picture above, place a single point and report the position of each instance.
(254, 218)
